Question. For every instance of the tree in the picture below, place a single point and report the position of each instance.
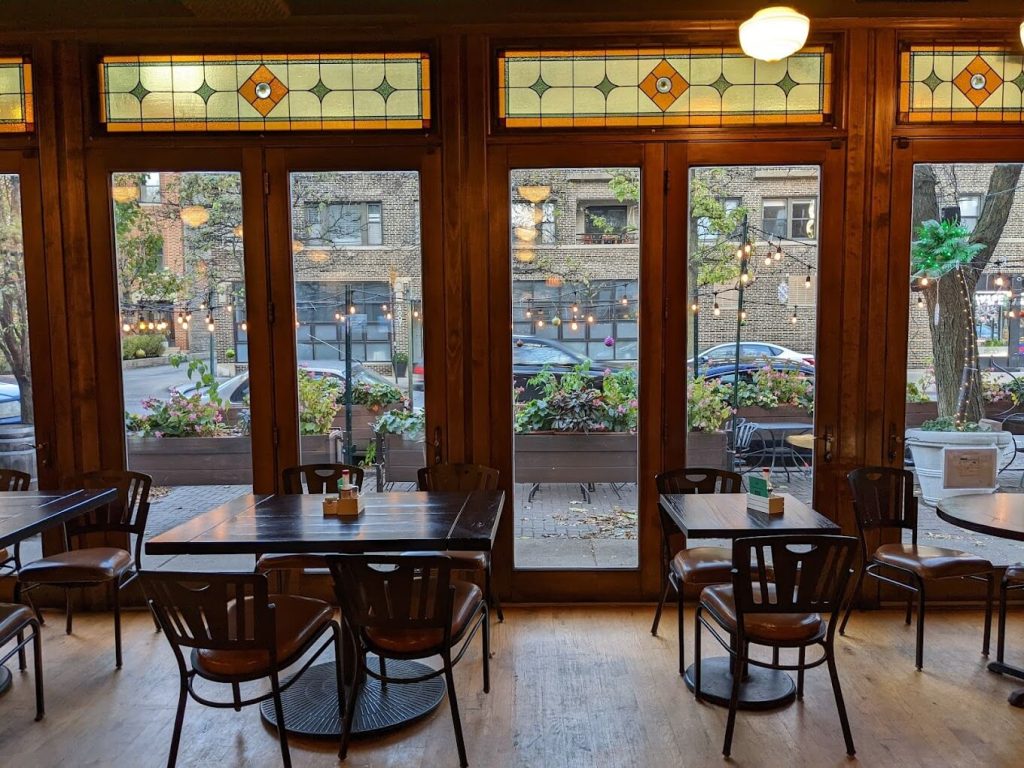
(949, 297)
(14, 341)
(141, 277)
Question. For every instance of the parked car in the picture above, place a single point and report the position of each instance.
(726, 372)
(750, 351)
(10, 403)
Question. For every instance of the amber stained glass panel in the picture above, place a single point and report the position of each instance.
(16, 107)
(360, 91)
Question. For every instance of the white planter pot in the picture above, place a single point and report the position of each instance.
(926, 448)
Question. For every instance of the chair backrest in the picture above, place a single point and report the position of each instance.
(744, 432)
(126, 515)
(883, 497)
(458, 477)
(698, 480)
(806, 573)
(14, 480)
(319, 478)
(393, 592)
(201, 610)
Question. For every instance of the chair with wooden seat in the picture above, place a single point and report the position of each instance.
(313, 479)
(794, 607)
(465, 477)
(83, 564)
(1013, 579)
(408, 607)
(696, 565)
(199, 612)
(883, 498)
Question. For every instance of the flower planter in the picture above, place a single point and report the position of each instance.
(918, 413)
(399, 460)
(207, 460)
(576, 457)
(926, 449)
(363, 418)
(782, 413)
(707, 449)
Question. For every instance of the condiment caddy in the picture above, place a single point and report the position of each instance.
(348, 503)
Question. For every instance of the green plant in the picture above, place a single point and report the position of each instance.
(199, 372)
(410, 425)
(180, 416)
(375, 395)
(229, 354)
(318, 403)
(572, 402)
(994, 389)
(915, 394)
(148, 344)
(948, 424)
(400, 358)
(770, 388)
(707, 404)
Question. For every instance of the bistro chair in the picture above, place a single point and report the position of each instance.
(696, 565)
(200, 612)
(883, 498)
(15, 621)
(1013, 579)
(465, 477)
(408, 607)
(83, 565)
(810, 575)
(313, 479)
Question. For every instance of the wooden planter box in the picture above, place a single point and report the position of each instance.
(362, 424)
(208, 460)
(399, 460)
(919, 413)
(576, 457)
(708, 449)
(768, 415)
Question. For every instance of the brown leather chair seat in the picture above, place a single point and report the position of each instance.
(78, 566)
(771, 628)
(703, 565)
(468, 561)
(13, 618)
(288, 562)
(466, 600)
(1014, 574)
(297, 619)
(932, 562)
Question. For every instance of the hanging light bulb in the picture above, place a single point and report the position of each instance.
(739, 253)
(590, 319)
(352, 309)
(625, 301)
(231, 308)
(244, 325)
(768, 259)
(184, 326)
(337, 315)
(188, 317)
(778, 254)
(529, 313)
(384, 307)
(746, 248)
(807, 281)
(209, 323)
(180, 318)
(920, 301)
(388, 315)
(202, 305)
(923, 282)
(415, 313)
(794, 318)
(540, 323)
(556, 321)
(743, 314)
(126, 327)
(574, 326)
(575, 308)
(744, 278)
(695, 307)
(774, 33)
(717, 310)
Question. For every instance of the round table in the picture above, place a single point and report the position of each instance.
(994, 514)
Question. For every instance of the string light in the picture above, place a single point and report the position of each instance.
(352, 309)
(807, 281)
(695, 307)
(794, 318)
(768, 259)
(778, 253)
(126, 328)
(574, 326)
(743, 314)
(209, 323)
(717, 311)
(920, 301)
(337, 315)
(180, 318)
(184, 325)
(744, 278)
(540, 323)
(244, 325)
(999, 279)
(923, 282)
(590, 319)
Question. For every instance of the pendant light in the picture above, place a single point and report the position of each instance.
(774, 33)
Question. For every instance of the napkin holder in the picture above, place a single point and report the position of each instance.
(761, 499)
(348, 503)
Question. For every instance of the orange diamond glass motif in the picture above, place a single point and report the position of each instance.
(663, 85)
(263, 90)
(977, 81)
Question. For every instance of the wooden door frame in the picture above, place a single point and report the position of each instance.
(100, 164)
(25, 164)
(584, 584)
(442, 417)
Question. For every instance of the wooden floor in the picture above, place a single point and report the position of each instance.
(571, 686)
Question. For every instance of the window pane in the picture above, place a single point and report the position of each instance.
(774, 218)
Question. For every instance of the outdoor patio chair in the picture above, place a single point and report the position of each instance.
(883, 498)
(1013, 579)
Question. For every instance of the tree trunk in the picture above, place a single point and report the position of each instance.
(950, 299)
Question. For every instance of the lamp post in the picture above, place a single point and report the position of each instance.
(744, 255)
(349, 447)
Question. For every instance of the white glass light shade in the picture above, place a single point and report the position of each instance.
(774, 33)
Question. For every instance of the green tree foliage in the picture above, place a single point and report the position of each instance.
(14, 343)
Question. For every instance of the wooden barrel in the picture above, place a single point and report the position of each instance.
(18, 447)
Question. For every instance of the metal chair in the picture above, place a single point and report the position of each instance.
(12, 480)
(88, 566)
(465, 477)
(233, 645)
(15, 621)
(883, 498)
(696, 565)
(744, 432)
(810, 576)
(407, 607)
(1013, 579)
(306, 478)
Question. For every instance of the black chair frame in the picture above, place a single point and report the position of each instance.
(30, 625)
(1004, 588)
(825, 575)
(911, 583)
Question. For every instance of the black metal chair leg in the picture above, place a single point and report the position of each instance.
(910, 608)
(734, 700)
(339, 672)
(840, 704)
(37, 653)
(799, 672)
(383, 673)
(853, 597)
(236, 696)
(454, 704)
(22, 661)
(282, 731)
(117, 625)
(920, 624)
(1001, 632)
(67, 619)
(492, 595)
(682, 632)
(486, 640)
(696, 653)
(661, 604)
(179, 719)
(350, 706)
(988, 613)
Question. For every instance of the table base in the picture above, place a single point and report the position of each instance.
(5, 679)
(1016, 698)
(762, 688)
(311, 704)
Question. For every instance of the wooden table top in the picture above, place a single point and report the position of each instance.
(725, 516)
(997, 514)
(26, 513)
(261, 524)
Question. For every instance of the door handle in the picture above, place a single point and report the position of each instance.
(895, 442)
(437, 445)
(826, 439)
(43, 454)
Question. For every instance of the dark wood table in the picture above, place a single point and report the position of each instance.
(391, 522)
(995, 514)
(725, 516)
(23, 514)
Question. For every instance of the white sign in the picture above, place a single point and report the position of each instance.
(969, 467)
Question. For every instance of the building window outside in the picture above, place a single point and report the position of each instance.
(528, 218)
(149, 188)
(970, 210)
(341, 223)
(794, 218)
(322, 337)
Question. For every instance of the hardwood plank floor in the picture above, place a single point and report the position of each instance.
(584, 686)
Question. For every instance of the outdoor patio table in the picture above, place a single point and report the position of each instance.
(25, 513)
(995, 514)
(391, 522)
(777, 430)
(725, 516)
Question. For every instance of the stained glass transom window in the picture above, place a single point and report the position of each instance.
(16, 108)
(359, 91)
(662, 87)
(954, 83)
